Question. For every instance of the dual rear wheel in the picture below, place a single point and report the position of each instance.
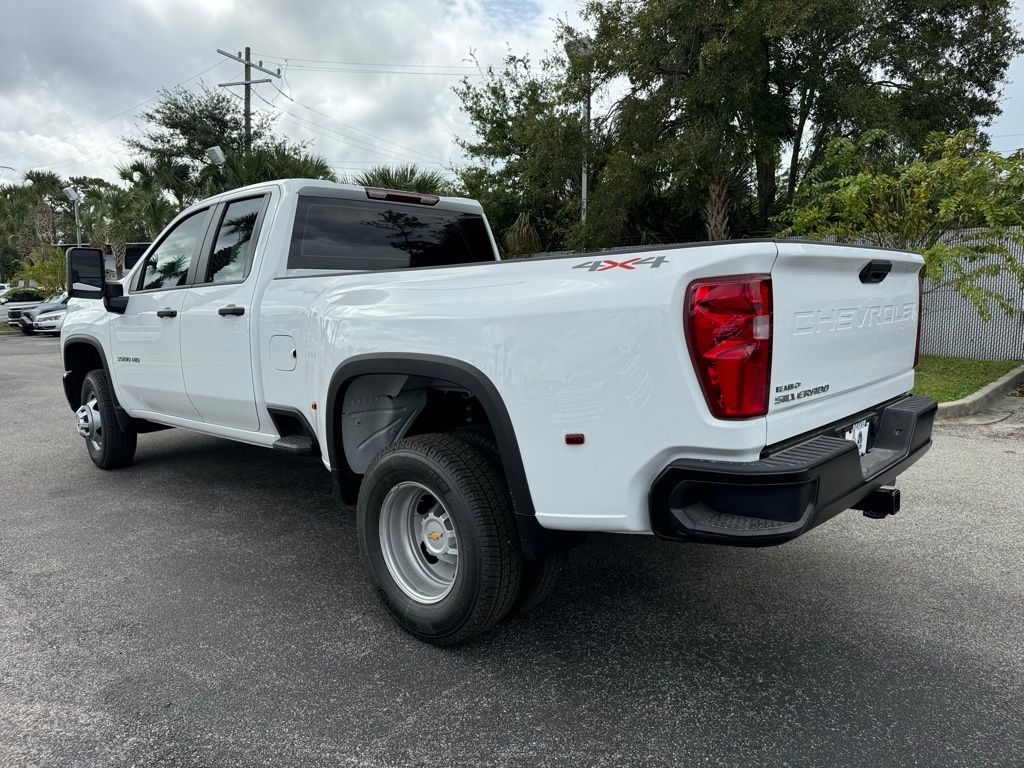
(437, 528)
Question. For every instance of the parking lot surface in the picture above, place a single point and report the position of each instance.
(208, 607)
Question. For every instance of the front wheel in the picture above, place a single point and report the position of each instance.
(437, 529)
(110, 446)
(28, 331)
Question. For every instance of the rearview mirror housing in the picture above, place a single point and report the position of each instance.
(86, 273)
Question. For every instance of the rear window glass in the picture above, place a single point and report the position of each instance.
(336, 233)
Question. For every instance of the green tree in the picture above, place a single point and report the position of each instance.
(45, 266)
(10, 264)
(868, 191)
(113, 216)
(528, 148)
(409, 177)
(277, 160)
(721, 107)
(182, 126)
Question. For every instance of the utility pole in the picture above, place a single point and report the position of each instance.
(579, 49)
(248, 102)
(248, 82)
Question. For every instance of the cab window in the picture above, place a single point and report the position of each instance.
(233, 249)
(167, 266)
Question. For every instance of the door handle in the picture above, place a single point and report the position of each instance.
(231, 309)
(167, 313)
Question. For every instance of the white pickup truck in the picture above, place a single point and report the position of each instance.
(485, 414)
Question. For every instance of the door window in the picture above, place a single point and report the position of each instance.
(167, 266)
(233, 250)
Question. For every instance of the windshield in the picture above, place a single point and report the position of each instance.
(57, 298)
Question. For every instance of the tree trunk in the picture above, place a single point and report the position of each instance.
(766, 153)
(716, 210)
(806, 100)
(766, 186)
(119, 248)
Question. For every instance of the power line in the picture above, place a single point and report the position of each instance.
(332, 133)
(368, 63)
(360, 130)
(355, 71)
(109, 119)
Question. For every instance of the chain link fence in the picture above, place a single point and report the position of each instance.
(952, 326)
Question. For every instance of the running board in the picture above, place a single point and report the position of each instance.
(297, 445)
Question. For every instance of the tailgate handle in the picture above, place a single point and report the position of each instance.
(875, 271)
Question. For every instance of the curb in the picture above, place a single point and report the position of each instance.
(983, 398)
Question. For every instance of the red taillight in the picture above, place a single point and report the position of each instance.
(729, 332)
(920, 316)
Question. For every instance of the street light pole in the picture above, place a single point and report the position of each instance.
(579, 48)
(75, 197)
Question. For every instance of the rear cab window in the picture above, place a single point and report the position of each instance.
(339, 234)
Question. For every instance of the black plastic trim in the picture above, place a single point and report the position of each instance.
(792, 490)
(123, 419)
(279, 414)
(449, 369)
(875, 271)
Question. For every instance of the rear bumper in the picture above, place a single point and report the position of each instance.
(792, 490)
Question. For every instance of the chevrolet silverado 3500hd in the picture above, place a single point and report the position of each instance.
(485, 414)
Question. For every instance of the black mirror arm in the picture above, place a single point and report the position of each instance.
(114, 299)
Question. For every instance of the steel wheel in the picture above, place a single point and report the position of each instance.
(419, 542)
(111, 445)
(90, 422)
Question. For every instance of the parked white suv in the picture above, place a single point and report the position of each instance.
(486, 414)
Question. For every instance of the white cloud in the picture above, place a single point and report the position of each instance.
(74, 68)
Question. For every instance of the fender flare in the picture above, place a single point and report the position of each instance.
(123, 419)
(457, 372)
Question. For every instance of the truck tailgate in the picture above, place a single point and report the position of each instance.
(844, 332)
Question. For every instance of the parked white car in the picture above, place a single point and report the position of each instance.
(49, 322)
(487, 414)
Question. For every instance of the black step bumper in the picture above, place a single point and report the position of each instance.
(794, 488)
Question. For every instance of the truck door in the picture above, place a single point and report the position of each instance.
(216, 319)
(146, 339)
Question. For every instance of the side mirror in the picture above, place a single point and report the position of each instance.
(86, 275)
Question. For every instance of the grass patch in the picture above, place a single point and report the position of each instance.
(951, 378)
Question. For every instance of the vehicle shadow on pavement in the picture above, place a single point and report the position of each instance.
(821, 643)
(209, 605)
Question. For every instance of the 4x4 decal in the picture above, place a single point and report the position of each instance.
(605, 264)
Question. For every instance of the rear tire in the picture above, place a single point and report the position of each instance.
(109, 446)
(436, 526)
(540, 577)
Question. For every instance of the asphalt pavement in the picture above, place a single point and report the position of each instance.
(208, 607)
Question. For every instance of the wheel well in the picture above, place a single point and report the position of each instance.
(415, 394)
(80, 357)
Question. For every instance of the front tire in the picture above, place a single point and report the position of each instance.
(437, 529)
(28, 331)
(109, 446)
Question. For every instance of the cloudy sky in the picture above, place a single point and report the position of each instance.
(366, 81)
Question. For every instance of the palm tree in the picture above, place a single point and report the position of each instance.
(264, 163)
(151, 186)
(112, 216)
(410, 177)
